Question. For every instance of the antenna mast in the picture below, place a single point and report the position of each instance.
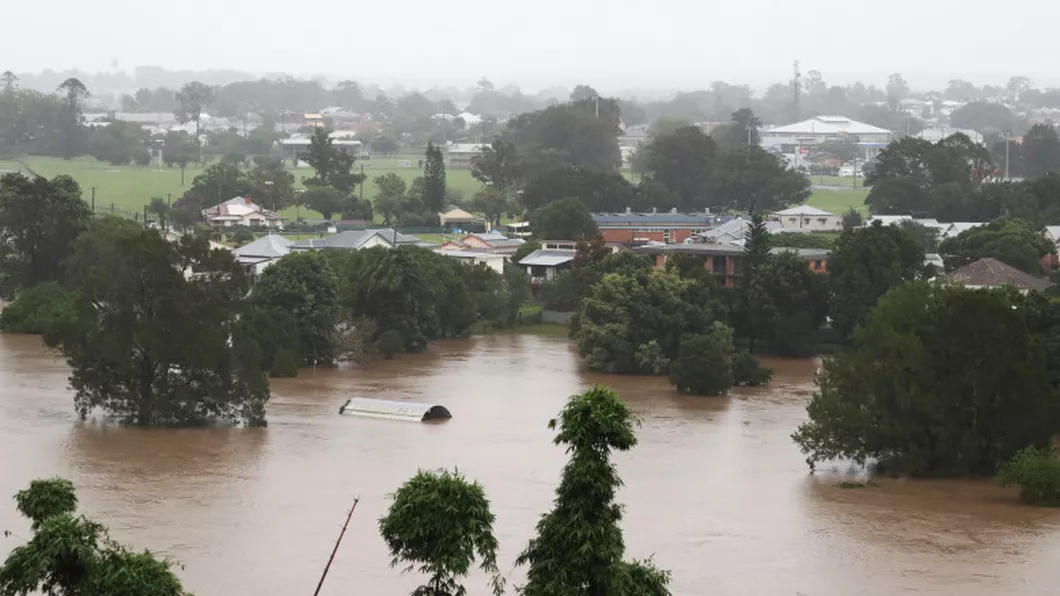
(796, 92)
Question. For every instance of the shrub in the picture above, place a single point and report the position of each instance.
(747, 371)
(42, 309)
(703, 364)
(241, 237)
(284, 364)
(1037, 474)
(390, 342)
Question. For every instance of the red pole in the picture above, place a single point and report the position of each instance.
(336, 549)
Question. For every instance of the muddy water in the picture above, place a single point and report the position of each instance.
(715, 491)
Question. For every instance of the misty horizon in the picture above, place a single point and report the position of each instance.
(674, 46)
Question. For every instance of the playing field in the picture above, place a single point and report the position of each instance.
(132, 187)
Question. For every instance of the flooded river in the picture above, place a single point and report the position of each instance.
(715, 490)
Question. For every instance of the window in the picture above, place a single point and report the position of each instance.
(817, 264)
(537, 271)
(666, 235)
(718, 266)
(793, 219)
(822, 220)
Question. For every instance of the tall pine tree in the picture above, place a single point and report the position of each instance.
(434, 179)
(756, 253)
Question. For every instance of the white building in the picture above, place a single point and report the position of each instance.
(492, 260)
(241, 211)
(823, 128)
(810, 219)
(459, 155)
(938, 133)
(296, 145)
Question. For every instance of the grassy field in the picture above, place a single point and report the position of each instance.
(131, 187)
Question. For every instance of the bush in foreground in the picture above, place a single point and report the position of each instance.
(1037, 474)
(41, 309)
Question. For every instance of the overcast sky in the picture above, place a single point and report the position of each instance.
(618, 44)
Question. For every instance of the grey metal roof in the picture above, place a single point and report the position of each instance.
(719, 250)
(354, 239)
(547, 257)
(272, 246)
(653, 218)
(992, 273)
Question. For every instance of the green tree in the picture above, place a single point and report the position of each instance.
(74, 93)
(492, 203)
(578, 548)
(332, 163)
(683, 162)
(413, 291)
(304, 286)
(390, 200)
(385, 145)
(438, 524)
(747, 371)
(44, 309)
(192, 100)
(852, 219)
(865, 263)
(179, 148)
(72, 555)
(601, 191)
(155, 338)
(325, 199)
(525, 249)
(1008, 240)
(160, 210)
(1041, 151)
(741, 131)
(434, 179)
(1037, 474)
(39, 221)
(567, 219)
(580, 133)
(634, 323)
(788, 304)
(273, 185)
(941, 381)
(704, 362)
(752, 179)
(498, 165)
(756, 249)
(217, 183)
(984, 117)
(909, 172)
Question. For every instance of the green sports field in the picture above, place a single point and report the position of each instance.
(132, 187)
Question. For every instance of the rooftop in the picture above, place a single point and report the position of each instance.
(548, 257)
(270, 246)
(805, 210)
(703, 219)
(827, 125)
(992, 273)
(354, 239)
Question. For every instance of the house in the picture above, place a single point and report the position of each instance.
(518, 229)
(935, 260)
(241, 211)
(542, 265)
(459, 155)
(726, 261)
(809, 218)
(614, 247)
(955, 228)
(492, 260)
(734, 232)
(356, 240)
(256, 256)
(937, 134)
(641, 228)
(295, 146)
(992, 273)
(488, 242)
(452, 217)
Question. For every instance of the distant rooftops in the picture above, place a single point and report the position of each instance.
(826, 126)
(992, 273)
(354, 240)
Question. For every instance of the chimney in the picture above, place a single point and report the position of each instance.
(673, 209)
(654, 211)
(629, 211)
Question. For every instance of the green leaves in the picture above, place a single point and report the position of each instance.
(71, 555)
(439, 524)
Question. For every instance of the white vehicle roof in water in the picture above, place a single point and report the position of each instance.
(394, 410)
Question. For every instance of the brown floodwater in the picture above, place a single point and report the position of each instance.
(715, 491)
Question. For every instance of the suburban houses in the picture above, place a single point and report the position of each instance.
(639, 228)
(256, 256)
(241, 212)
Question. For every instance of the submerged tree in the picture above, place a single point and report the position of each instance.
(155, 340)
(71, 555)
(438, 524)
(578, 548)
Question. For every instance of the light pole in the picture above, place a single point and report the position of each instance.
(1007, 135)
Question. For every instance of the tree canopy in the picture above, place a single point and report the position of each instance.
(70, 555)
(567, 219)
(1011, 241)
(865, 263)
(941, 381)
(578, 548)
(155, 340)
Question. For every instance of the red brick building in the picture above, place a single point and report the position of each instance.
(641, 228)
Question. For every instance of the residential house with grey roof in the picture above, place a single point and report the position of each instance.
(357, 240)
(256, 256)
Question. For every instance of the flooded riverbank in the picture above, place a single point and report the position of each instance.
(716, 490)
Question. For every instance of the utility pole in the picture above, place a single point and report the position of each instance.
(597, 107)
(1007, 135)
(796, 92)
(93, 199)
